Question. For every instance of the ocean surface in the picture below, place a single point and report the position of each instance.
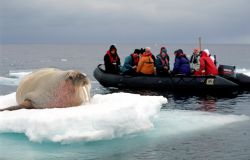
(125, 124)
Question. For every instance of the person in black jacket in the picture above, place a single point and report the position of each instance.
(195, 61)
(162, 63)
(112, 61)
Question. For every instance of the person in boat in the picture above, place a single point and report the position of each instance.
(181, 64)
(131, 62)
(162, 62)
(210, 56)
(207, 66)
(146, 63)
(112, 61)
(195, 61)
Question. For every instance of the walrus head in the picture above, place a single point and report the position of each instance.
(80, 80)
(77, 78)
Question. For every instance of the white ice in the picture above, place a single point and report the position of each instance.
(107, 117)
(176, 122)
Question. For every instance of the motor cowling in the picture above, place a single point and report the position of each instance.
(227, 71)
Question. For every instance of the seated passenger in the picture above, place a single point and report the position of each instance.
(112, 61)
(195, 62)
(162, 63)
(131, 62)
(210, 56)
(181, 64)
(146, 63)
(207, 66)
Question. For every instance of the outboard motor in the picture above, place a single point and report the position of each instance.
(227, 71)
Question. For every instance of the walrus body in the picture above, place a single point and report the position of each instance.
(52, 88)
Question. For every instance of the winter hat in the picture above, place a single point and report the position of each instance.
(148, 49)
(163, 49)
(138, 51)
(207, 52)
(112, 47)
(180, 51)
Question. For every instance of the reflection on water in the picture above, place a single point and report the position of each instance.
(208, 104)
(184, 101)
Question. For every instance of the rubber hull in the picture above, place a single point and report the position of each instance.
(241, 79)
(168, 83)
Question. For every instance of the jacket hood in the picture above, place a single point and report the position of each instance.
(179, 53)
(112, 47)
(204, 54)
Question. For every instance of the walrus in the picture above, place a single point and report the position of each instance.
(52, 88)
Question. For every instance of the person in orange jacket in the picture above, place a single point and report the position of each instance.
(207, 66)
(146, 63)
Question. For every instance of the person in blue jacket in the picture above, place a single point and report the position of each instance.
(131, 62)
(181, 64)
(162, 63)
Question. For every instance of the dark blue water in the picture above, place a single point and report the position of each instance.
(225, 142)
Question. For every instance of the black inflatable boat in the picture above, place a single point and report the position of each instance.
(218, 84)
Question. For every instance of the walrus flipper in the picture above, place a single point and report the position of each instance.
(27, 104)
(12, 108)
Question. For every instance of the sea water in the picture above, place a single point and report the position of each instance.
(121, 124)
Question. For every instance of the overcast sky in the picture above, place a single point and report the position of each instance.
(124, 21)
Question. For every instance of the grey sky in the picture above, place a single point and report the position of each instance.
(135, 21)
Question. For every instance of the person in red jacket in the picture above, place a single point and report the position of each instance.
(112, 61)
(207, 66)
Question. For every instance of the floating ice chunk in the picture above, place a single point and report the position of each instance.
(105, 117)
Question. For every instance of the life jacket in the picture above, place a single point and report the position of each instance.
(194, 59)
(195, 63)
(150, 57)
(146, 64)
(164, 61)
(113, 58)
(135, 58)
